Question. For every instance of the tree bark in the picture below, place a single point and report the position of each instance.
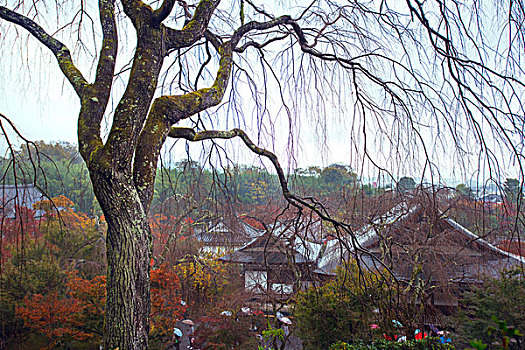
(128, 259)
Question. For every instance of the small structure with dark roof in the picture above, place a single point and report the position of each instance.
(226, 234)
(16, 196)
(277, 266)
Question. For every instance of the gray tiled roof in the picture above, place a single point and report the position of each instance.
(23, 195)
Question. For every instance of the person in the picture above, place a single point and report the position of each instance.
(191, 337)
(175, 340)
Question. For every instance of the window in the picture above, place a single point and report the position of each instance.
(255, 280)
(282, 288)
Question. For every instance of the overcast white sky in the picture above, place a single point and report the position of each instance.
(34, 96)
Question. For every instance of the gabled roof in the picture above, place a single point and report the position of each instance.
(307, 228)
(231, 231)
(23, 195)
(513, 246)
(474, 238)
(273, 250)
(340, 249)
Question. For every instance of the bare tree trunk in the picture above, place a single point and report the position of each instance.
(126, 323)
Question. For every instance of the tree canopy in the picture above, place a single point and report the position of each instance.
(418, 81)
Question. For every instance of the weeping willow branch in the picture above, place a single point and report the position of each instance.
(191, 135)
(58, 49)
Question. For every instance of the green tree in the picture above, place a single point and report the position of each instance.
(405, 184)
(464, 191)
(513, 191)
(341, 310)
(337, 175)
(498, 299)
(56, 169)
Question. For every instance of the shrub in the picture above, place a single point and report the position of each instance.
(425, 344)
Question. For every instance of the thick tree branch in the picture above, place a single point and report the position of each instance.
(58, 49)
(139, 12)
(132, 110)
(94, 105)
(194, 29)
(259, 45)
(150, 142)
(162, 12)
(108, 51)
(178, 107)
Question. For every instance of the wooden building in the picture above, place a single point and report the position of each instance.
(419, 244)
(225, 235)
(278, 264)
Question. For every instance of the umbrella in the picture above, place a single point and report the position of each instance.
(434, 328)
(188, 322)
(177, 332)
(397, 323)
(420, 335)
(285, 320)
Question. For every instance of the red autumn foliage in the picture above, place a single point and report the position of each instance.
(166, 307)
(52, 316)
(76, 315)
(15, 231)
(169, 228)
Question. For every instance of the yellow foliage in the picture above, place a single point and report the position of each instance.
(206, 276)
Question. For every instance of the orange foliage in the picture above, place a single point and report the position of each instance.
(76, 315)
(92, 294)
(166, 307)
(53, 316)
(79, 313)
(61, 208)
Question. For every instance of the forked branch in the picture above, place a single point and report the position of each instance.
(163, 11)
(194, 29)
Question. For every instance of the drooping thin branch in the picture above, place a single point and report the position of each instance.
(61, 52)
(349, 242)
(190, 135)
(179, 107)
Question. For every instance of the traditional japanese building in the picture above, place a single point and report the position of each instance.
(417, 243)
(279, 263)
